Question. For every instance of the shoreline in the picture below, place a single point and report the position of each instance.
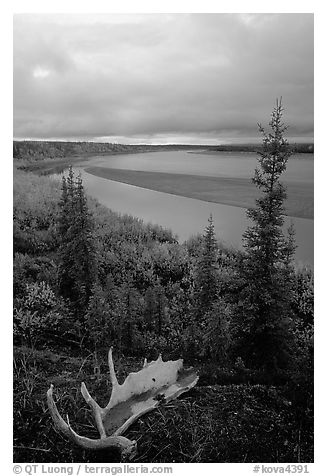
(294, 156)
(237, 192)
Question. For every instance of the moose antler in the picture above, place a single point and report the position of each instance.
(141, 392)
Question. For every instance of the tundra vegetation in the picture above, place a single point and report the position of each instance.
(86, 278)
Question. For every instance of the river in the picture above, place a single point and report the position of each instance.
(188, 216)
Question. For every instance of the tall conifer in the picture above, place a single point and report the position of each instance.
(77, 267)
(206, 271)
(265, 305)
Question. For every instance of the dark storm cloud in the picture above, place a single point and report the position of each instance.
(181, 77)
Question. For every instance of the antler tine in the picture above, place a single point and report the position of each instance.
(59, 422)
(126, 446)
(113, 377)
(157, 381)
(97, 410)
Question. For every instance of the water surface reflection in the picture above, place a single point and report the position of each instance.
(187, 216)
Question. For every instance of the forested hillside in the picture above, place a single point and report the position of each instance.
(142, 292)
(42, 150)
(86, 278)
(39, 150)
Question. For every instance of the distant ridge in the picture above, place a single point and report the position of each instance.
(42, 150)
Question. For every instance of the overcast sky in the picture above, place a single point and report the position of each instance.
(179, 78)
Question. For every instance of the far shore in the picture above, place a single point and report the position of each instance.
(238, 192)
(295, 155)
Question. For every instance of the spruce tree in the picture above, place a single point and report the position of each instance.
(128, 312)
(216, 335)
(99, 322)
(264, 313)
(211, 322)
(77, 253)
(64, 218)
(206, 270)
(155, 304)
